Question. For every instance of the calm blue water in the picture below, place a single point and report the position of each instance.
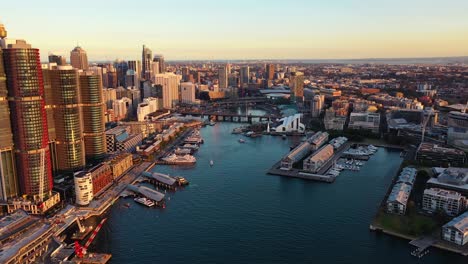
(234, 213)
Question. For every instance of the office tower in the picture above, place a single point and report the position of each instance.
(109, 95)
(28, 117)
(93, 108)
(187, 92)
(67, 118)
(296, 83)
(132, 79)
(270, 71)
(120, 107)
(111, 76)
(121, 68)
(78, 58)
(160, 59)
(155, 67)
(49, 107)
(317, 105)
(170, 88)
(146, 69)
(135, 66)
(244, 75)
(223, 77)
(60, 60)
(228, 68)
(8, 178)
(185, 73)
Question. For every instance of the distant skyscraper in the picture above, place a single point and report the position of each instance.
(60, 60)
(244, 75)
(135, 66)
(317, 105)
(296, 83)
(187, 92)
(160, 59)
(93, 108)
(121, 68)
(185, 73)
(146, 69)
(270, 71)
(68, 119)
(8, 178)
(28, 116)
(78, 58)
(223, 77)
(170, 88)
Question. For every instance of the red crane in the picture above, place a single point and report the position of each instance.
(80, 251)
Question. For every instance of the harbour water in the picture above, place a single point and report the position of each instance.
(233, 212)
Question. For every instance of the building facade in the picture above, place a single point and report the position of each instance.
(79, 58)
(93, 110)
(450, 202)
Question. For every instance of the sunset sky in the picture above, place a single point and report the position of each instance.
(242, 29)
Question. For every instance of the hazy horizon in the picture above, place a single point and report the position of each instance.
(244, 30)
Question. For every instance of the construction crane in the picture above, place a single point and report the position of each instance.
(41, 175)
(80, 251)
(425, 124)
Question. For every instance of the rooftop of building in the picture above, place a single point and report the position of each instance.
(444, 193)
(460, 223)
(430, 147)
(400, 193)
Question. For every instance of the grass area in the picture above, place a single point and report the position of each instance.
(412, 224)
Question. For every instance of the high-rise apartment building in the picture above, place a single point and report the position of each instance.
(270, 71)
(146, 69)
(8, 178)
(135, 66)
(68, 119)
(93, 108)
(187, 92)
(296, 83)
(244, 75)
(223, 77)
(159, 58)
(170, 88)
(28, 117)
(78, 58)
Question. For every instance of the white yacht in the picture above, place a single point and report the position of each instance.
(180, 160)
(144, 201)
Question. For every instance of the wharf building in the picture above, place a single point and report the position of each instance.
(101, 176)
(456, 231)
(120, 164)
(318, 139)
(296, 155)
(318, 159)
(450, 202)
(398, 199)
(24, 238)
(437, 155)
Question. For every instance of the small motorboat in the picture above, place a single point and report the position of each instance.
(283, 136)
(241, 140)
(211, 163)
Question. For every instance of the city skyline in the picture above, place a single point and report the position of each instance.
(208, 30)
